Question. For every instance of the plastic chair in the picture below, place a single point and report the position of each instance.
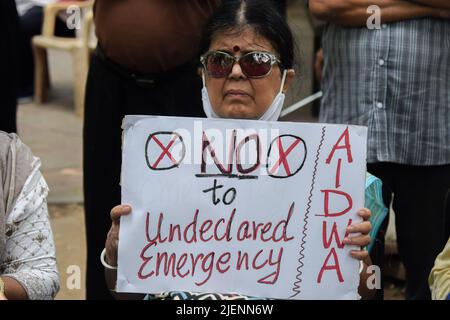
(79, 47)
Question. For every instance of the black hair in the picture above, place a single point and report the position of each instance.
(260, 15)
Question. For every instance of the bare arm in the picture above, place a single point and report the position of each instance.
(438, 4)
(353, 13)
(14, 290)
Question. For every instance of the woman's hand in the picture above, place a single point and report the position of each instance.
(363, 239)
(111, 246)
(112, 240)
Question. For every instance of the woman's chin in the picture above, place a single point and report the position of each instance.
(238, 112)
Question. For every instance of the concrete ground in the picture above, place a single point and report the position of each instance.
(54, 134)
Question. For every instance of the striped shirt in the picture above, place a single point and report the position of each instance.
(396, 81)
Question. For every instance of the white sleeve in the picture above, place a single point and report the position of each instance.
(43, 2)
(29, 256)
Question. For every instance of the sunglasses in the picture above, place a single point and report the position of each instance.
(255, 64)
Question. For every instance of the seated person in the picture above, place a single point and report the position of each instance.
(248, 56)
(27, 252)
(440, 275)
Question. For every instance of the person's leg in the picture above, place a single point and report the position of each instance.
(420, 222)
(9, 27)
(101, 165)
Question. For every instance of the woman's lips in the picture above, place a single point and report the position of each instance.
(236, 94)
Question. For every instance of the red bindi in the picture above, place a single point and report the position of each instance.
(236, 48)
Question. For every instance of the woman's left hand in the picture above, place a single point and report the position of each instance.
(361, 240)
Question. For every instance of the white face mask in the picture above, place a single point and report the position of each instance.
(271, 114)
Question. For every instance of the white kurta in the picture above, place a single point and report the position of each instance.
(29, 256)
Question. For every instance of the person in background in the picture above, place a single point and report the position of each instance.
(394, 79)
(9, 28)
(145, 63)
(439, 279)
(27, 252)
(247, 57)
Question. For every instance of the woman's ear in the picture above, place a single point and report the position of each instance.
(290, 74)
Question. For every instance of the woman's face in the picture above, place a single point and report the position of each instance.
(239, 97)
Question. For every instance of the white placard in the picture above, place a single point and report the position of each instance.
(240, 206)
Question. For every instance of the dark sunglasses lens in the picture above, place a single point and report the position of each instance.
(219, 65)
(256, 64)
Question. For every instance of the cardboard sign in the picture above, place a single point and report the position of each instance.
(240, 206)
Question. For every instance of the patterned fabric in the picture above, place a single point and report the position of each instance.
(16, 165)
(29, 256)
(396, 81)
(373, 200)
(180, 295)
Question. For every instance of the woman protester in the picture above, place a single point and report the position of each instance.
(248, 57)
(27, 252)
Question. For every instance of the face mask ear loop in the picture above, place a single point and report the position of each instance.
(203, 79)
(283, 80)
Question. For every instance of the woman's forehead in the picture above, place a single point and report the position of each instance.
(243, 41)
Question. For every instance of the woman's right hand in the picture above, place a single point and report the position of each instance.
(112, 240)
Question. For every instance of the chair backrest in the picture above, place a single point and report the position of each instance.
(88, 36)
(75, 11)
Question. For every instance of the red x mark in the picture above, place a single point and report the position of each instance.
(165, 151)
(283, 156)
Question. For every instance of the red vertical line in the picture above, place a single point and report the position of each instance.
(338, 174)
(297, 284)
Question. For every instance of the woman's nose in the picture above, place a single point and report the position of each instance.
(236, 71)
